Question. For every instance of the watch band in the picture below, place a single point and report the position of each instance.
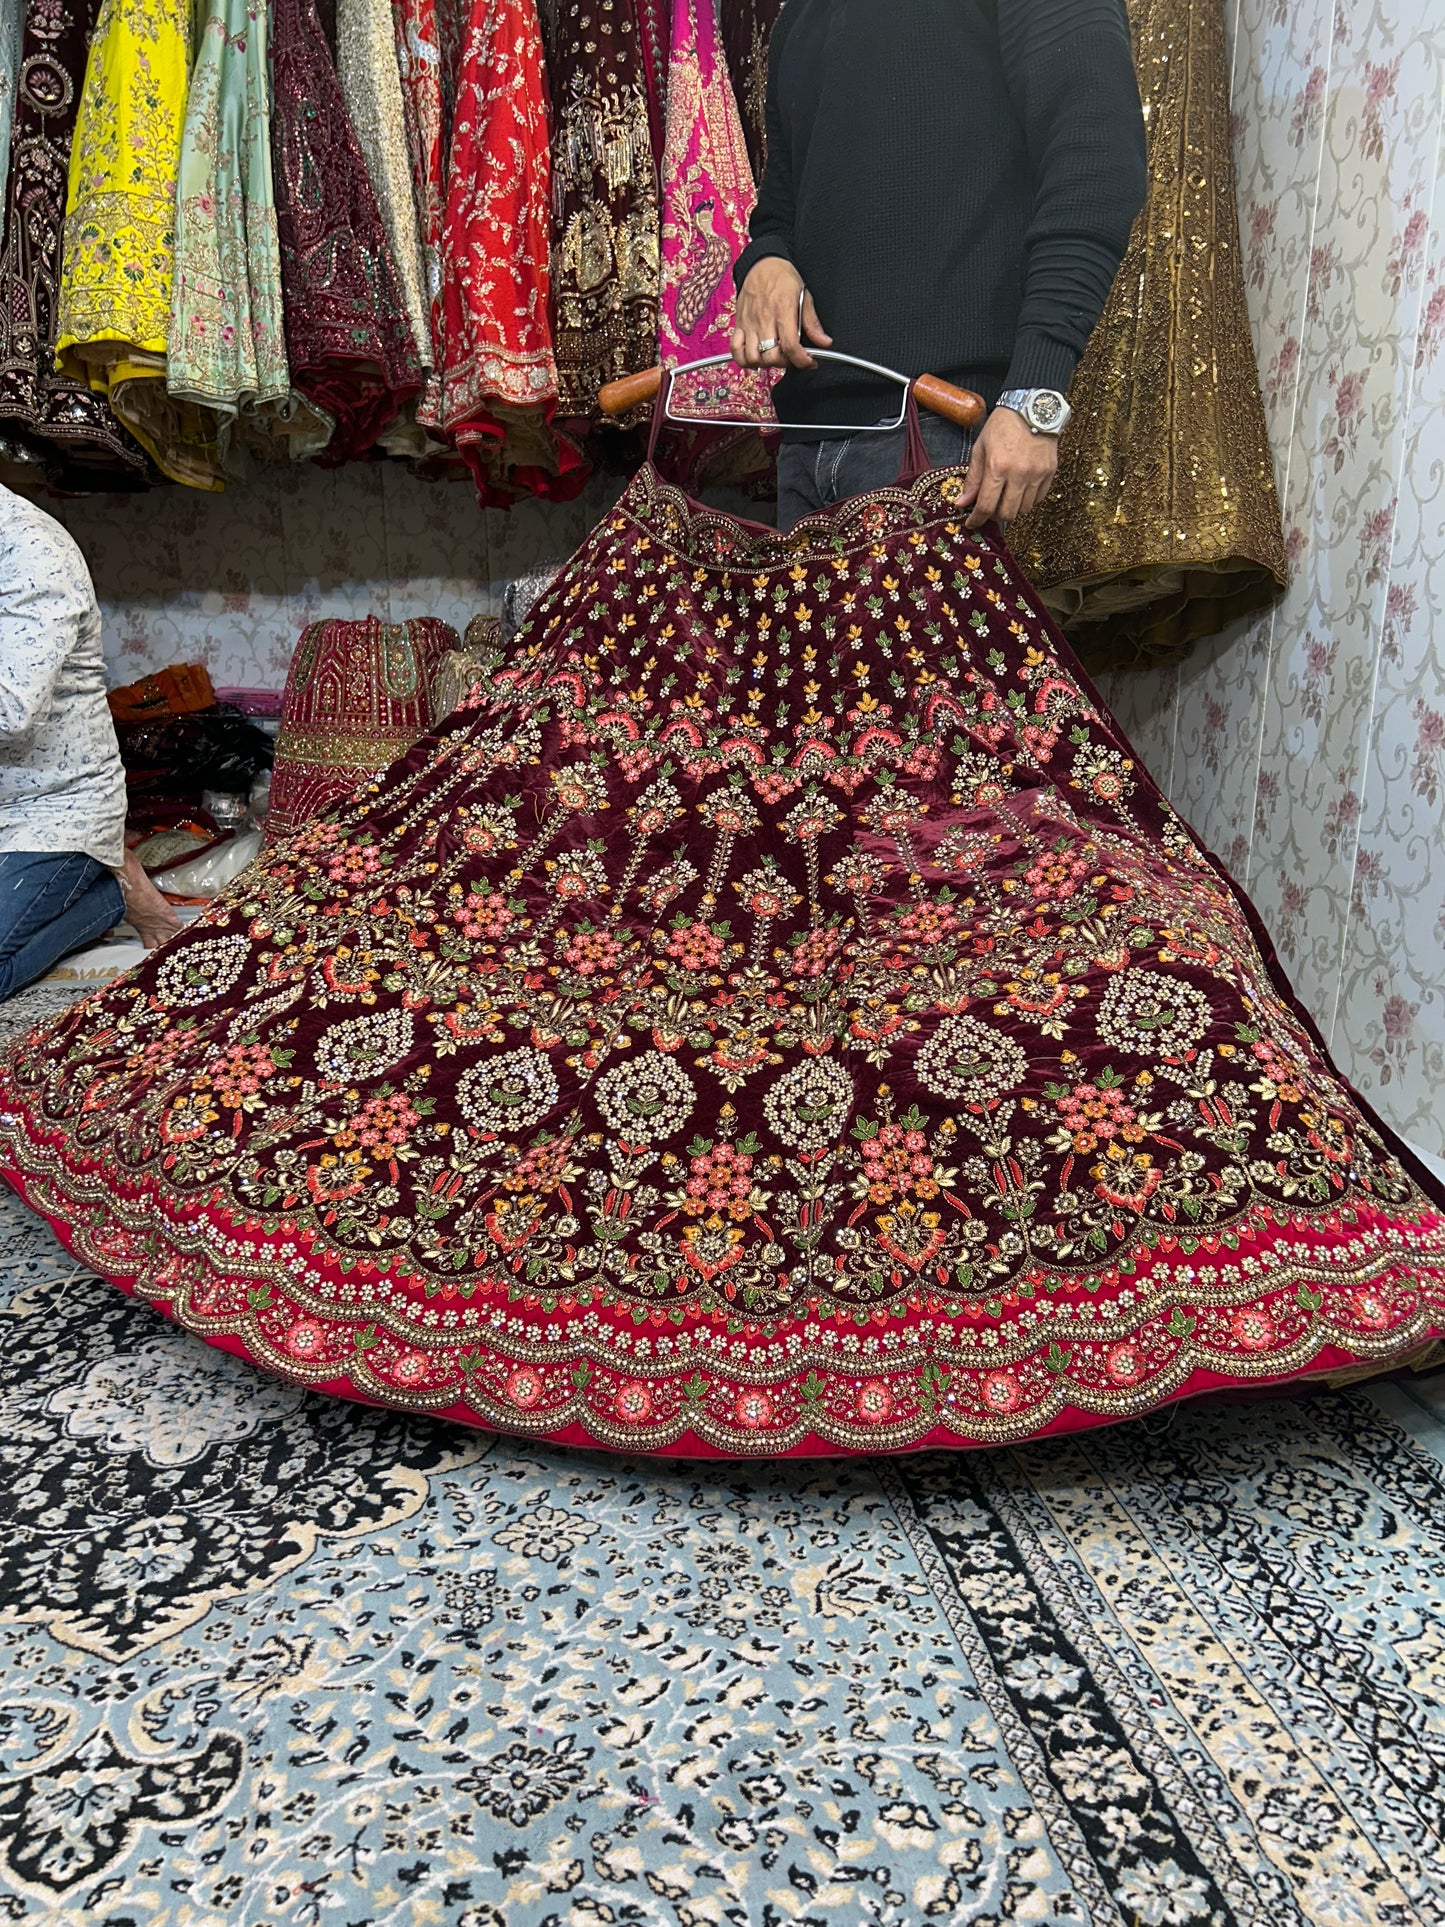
(1044, 409)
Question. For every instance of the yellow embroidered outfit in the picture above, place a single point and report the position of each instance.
(117, 258)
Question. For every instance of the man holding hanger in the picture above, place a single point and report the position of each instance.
(949, 190)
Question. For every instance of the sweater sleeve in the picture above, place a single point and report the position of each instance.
(771, 226)
(1070, 72)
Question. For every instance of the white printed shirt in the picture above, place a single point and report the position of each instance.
(62, 786)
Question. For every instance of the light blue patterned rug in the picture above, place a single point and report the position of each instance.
(269, 1659)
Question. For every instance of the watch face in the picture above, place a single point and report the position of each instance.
(1046, 408)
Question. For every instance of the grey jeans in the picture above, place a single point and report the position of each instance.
(815, 475)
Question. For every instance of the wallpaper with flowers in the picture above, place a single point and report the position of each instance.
(231, 580)
(1308, 746)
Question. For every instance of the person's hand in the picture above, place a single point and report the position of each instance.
(146, 910)
(1010, 471)
(767, 310)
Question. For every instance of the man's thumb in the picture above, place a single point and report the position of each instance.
(812, 326)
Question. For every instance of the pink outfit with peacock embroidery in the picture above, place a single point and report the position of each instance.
(708, 196)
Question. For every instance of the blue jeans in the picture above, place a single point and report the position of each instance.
(50, 905)
(816, 475)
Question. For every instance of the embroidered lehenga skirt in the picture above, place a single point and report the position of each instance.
(781, 1017)
(358, 694)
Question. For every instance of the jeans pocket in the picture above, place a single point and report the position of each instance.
(85, 869)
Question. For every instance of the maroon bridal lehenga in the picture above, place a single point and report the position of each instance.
(350, 348)
(779, 1016)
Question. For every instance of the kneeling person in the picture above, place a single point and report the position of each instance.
(65, 875)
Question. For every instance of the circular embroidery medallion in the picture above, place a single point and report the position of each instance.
(508, 1093)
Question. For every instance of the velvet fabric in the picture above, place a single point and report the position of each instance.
(654, 31)
(605, 262)
(747, 27)
(34, 396)
(782, 1017)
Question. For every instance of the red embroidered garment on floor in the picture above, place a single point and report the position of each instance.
(498, 376)
(783, 1019)
(350, 349)
(357, 697)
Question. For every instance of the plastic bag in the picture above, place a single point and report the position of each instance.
(208, 875)
(258, 807)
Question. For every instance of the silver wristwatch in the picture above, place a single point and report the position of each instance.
(1044, 409)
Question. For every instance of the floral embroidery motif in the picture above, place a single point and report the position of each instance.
(120, 209)
(648, 1100)
(781, 1017)
(364, 1046)
(970, 1063)
(227, 346)
(202, 972)
(510, 1094)
(809, 1105)
(1153, 1016)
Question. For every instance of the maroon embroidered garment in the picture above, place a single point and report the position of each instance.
(654, 34)
(605, 263)
(784, 1019)
(347, 338)
(33, 396)
(747, 27)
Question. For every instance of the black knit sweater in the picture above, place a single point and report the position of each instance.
(955, 181)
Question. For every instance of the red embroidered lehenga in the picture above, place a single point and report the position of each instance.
(779, 1017)
(497, 388)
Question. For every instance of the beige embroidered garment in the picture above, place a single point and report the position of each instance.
(366, 66)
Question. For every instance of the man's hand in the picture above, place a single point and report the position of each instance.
(146, 910)
(1011, 469)
(767, 310)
